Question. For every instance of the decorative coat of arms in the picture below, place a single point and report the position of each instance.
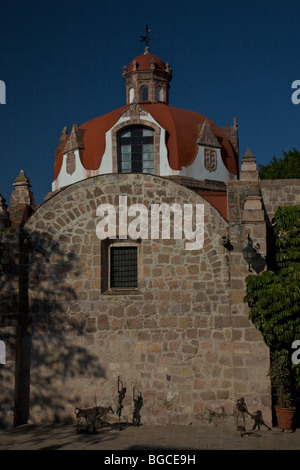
(210, 159)
(70, 163)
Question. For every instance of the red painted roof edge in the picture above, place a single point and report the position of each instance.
(182, 128)
(218, 200)
(94, 142)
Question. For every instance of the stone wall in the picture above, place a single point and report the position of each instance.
(250, 354)
(279, 193)
(9, 319)
(171, 339)
(182, 339)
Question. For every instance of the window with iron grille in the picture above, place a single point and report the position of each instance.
(123, 267)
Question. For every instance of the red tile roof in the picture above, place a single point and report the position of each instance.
(144, 62)
(182, 128)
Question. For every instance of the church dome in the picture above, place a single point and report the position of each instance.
(147, 135)
(182, 130)
(146, 61)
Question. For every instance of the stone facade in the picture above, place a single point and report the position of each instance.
(179, 337)
(182, 338)
(171, 339)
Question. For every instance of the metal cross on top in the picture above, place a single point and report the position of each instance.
(146, 38)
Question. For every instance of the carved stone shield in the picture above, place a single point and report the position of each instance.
(134, 111)
(210, 159)
(70, 163)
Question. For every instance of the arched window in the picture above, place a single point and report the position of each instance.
(136, 150)
(159, 94)
(144, 93)
(131, 95)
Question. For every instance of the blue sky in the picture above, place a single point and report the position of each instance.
(62, 64)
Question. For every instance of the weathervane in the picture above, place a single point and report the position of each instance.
(146, 38)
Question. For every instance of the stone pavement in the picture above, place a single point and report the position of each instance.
(176, 439)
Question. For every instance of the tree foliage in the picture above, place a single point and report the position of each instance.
(285, 167)
(280, 379)
(274, 296)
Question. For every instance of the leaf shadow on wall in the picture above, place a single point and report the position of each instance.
(46, 332)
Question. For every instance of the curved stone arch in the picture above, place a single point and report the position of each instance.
(53, 203)
(71, 202)
(68, 208)
(136, 121)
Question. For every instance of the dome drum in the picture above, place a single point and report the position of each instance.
(148, 71)
(153, 80)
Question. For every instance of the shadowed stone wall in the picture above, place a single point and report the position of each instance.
(172, 339)
(182, 339)
(250, 354)
(9, 319)
(167, 338)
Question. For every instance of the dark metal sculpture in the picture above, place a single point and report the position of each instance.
(138, 403)
(92, 416)
(257, 416)
(122, 393)
(242, 410)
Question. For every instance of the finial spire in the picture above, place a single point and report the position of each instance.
(146, 38)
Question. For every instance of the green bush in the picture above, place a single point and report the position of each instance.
(274, 296)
